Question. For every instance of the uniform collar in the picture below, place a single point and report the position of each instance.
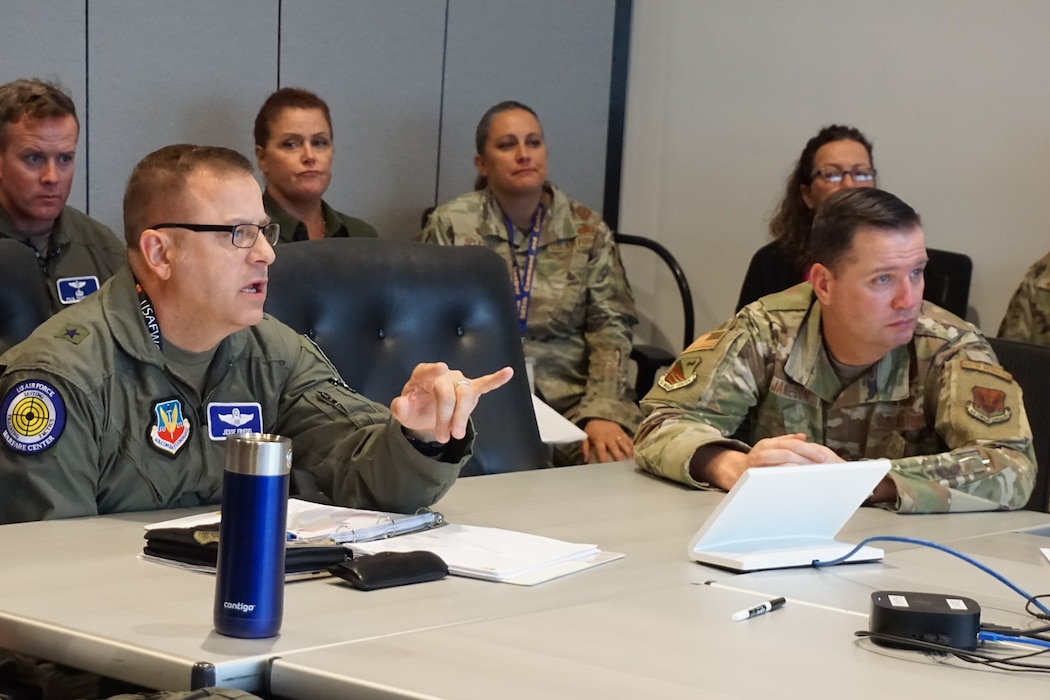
(808, 364)
(59, 234)
(492, 219)
(290, 226)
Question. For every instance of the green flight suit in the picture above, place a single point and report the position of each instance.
(79, 247)
(581, 309)
(940, 407)
(336, 224)
(135, 435)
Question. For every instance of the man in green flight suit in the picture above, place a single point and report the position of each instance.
(38, 142)
(850, 365)
(122, 402)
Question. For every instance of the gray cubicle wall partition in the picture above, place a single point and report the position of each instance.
(554, 56)
(47, 39)
(379, 67)
(161, 72)
(407, 81)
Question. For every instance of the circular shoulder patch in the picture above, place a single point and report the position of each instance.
(34, 417)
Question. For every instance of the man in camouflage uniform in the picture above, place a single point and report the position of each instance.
(38, 141)
(581, 311)
(1028, 314)
(851, 365)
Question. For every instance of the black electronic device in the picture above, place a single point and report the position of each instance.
(935, 618)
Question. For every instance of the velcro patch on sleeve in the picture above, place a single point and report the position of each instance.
(994, 370)
(34, 417)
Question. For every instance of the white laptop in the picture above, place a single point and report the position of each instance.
(776, 517)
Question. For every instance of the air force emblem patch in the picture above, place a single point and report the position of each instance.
(225, 419)
(74, 289)
(34, 417)
(170, 428)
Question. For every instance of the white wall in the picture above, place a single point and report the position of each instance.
(722, 96)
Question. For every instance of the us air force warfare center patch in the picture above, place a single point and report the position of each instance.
(34, 417)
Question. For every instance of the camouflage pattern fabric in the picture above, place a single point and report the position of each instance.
(1028, 313)
(941, 408)
(581, 310)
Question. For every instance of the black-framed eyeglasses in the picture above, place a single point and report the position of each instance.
(241, 235)
(835, 175)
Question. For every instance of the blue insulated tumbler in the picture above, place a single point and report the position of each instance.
(249, 581)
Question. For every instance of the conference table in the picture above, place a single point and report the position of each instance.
(75, 591)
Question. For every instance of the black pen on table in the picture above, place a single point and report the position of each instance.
(759, 609)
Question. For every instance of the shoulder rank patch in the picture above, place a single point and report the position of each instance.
(993, 370)
(170, 428)
(988, 405)
(74, 289)
(681, 374)
(73, 334)
(34, 417)
(225, 419)
(706, 341)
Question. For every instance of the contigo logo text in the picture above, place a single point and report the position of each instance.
(239, 607)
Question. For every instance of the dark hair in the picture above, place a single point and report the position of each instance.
(286, 98)
(159, 181)
(792, 221)
(34, 98)
(846, 211)
(481, 133)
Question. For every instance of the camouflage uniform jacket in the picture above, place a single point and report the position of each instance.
(1028, 314)
(96, 421)
(336, 224)
(940, 407)
(581, 309)
(79, 247)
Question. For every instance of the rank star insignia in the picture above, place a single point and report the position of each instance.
(988, 405)
(73, 334)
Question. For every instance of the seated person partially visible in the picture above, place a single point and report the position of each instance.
(838, 157)
(38, 144)
(1028, 313)
(850, 365)
(294, 148)
(118, 403)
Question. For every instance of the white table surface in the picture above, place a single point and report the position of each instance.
(79, 596)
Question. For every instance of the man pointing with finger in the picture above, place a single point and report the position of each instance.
(850, 365)
(123, 402)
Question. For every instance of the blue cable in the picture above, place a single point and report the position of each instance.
(941, 547)
(996, 637)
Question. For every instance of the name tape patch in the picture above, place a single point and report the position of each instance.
(225, 419)
(74, 289)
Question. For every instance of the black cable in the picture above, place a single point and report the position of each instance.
(1002, 663)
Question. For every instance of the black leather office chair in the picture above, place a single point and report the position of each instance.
(1030, 365)
(650, 358)
(948, 280)
(379, 307)
(24, 303)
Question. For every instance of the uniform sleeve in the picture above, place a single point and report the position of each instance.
(49, 454)
(1028, 313)
(354, 448)
(437, 230)
(990, 464)
(607, 334)
(704, 397)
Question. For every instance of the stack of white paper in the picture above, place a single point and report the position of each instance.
(496, 555)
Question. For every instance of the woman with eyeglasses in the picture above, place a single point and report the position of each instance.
(836, 158)
(294, 149)
(575, 308)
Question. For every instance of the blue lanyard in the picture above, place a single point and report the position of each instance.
(522, 279)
